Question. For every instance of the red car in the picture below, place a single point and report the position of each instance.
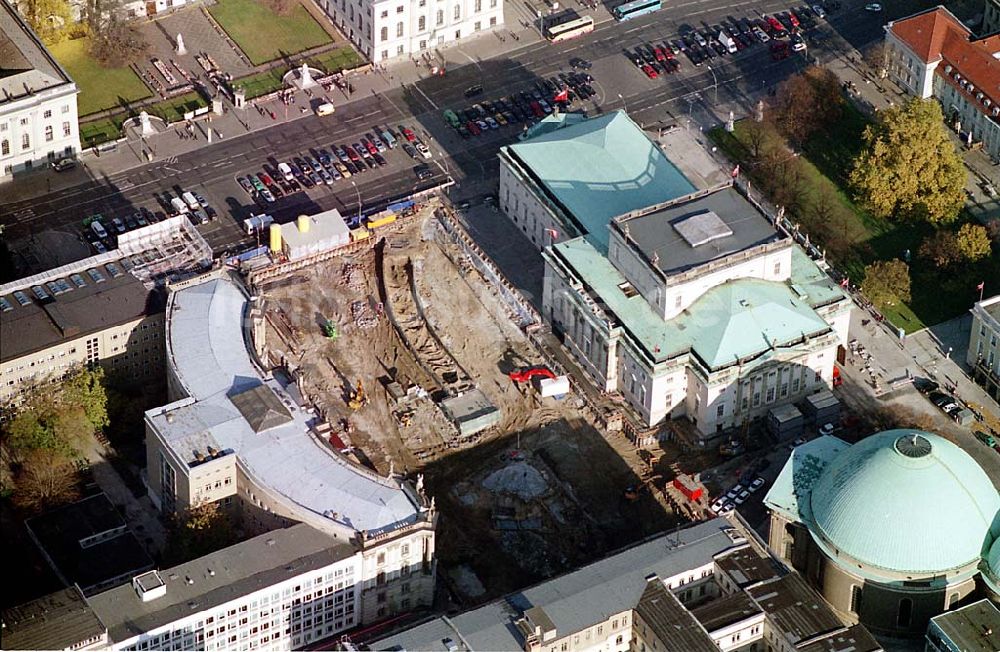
(410, 136)
(536, 108)
(352, 154)
(777, 28)
(473, 128)
(265, 179)
(659, 53)
(648, 69)
(371, 147)
(793, 19)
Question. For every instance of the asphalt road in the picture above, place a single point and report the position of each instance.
(688, 97)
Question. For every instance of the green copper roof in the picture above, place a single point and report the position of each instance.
(735, 320)
(906, 501)
(601, 168)
(803, 469)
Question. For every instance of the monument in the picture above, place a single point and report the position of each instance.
(145, 128)
(181, 50)
(305, 78)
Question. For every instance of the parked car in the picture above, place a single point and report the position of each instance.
(63, 164)
(582, 64)
(986, 438)
(423, 172)
(426, 153)
(873, 7)
(756, 484)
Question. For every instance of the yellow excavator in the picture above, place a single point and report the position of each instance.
(358, 398)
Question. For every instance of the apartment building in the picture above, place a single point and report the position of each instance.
(932, 54)
(243, 436)
(983, 354)
(59, 621)
(106, 309)
(38, 118)
(708, 587)
(385, 29)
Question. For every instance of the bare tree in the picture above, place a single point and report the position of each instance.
(118, 44)
(281, 7)
(46, 479)
(877, 58)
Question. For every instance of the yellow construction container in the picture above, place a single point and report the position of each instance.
(359, 233)
(275, 238)
(382, 221)
(303, 224)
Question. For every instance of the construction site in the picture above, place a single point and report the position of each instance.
(420, 362)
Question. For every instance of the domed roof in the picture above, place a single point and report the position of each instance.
(993, 560)
(906, 501)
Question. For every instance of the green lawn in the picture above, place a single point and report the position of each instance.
(268, 81)
(820, 172)
(263, 35)
(100, 88)
(100, 131)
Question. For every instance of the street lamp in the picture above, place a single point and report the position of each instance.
(715, 84)
(624, 103)
(357, 190)
(539, 13)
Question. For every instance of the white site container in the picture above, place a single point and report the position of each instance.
(557, 386)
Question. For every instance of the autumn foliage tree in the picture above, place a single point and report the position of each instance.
(940, 249)
(887, 282)
(909, 168)
(973, 242)
(198, 531)
(808, 102)
(51, 19)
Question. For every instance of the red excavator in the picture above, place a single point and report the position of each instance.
(525, 374)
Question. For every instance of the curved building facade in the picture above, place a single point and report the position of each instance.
(893, 530)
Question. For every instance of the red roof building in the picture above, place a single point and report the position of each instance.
(932, 54)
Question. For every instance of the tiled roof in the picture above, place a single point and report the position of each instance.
(937, 35)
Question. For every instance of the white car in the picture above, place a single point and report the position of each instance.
(874, 7)
(718, 505)
(426, 153)
(756, 484)
(734, 492)
(818, 10)
(826, 429)
(742, 498)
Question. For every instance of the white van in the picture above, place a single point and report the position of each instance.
(179, 206)
(190, 200)
(98, 229)
(286, 171)
(324, 109)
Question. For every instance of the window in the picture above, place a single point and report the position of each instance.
(385, 54)
(458, 12)
(421, 26)
(5, 147)
(385, 13)
(24, 122)
(478, 26)
(855, 595)
(384, 35)
(905, 613)
(777, 268)
(47, 113)
(770, 394)
(399, 9)
(25, 141)
(440, 17)
(493, 4)
(423, 45)
(48, 133)
(399, 29)
(493, 21)
(720, 411)
(478, 6)
(400, 49)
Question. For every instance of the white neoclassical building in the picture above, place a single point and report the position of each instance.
(383, 29)
(38, 119)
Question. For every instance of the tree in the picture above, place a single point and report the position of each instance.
(877, 58)
(281, 7)
(941, 249)
(118, 44)
(909, 168)
(807, 102)
(973, 242)
(46, 479)
(200, 530)
(887, 282)
(51, 19)
(57, 416)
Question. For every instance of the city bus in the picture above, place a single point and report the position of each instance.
(570, 29)
(635, 9)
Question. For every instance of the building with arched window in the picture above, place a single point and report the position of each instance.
(893, 530)
(37, 100)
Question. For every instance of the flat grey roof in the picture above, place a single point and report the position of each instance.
(59, 532)
(794, 608)
(855, 638)
(74, 313)
(673, 624)
(576, 600)
(966, 626)
(664, 235)
(219, 577)
(53, 622)
(725, 611)
(747, 567)
(209, 356)
(26, 67)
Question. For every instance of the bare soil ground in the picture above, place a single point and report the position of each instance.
(557, 500)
